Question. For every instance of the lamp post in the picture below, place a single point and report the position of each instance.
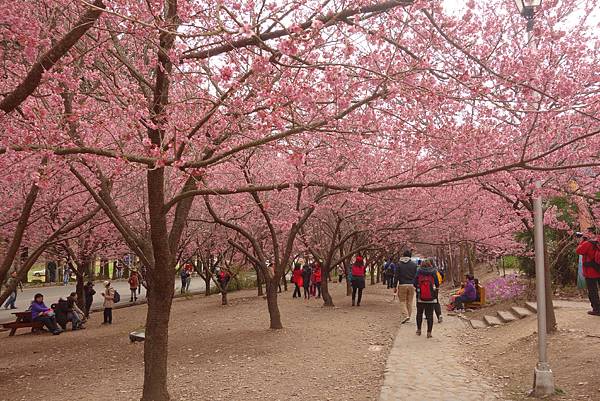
(543, 380)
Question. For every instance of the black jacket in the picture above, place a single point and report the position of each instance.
(406, 271)
(306, 273)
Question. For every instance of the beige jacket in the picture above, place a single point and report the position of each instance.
(109, 296)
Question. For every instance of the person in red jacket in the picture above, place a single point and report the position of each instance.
(297, 280)
(134, 282)
(358, 279)
(587, 248)
(317, 277)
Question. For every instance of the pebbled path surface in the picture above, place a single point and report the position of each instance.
(420, 369)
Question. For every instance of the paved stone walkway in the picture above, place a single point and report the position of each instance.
(420, 369)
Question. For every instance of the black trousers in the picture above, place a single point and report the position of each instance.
(108, 315)
(428, 309)
(318, 286)
(297, 291)
(592, 286)
(438, 309)
(354, 291)
(88, 306)
(306, 291)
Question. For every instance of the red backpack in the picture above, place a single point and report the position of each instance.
(425, 287)
(594, 261)
(358, 271)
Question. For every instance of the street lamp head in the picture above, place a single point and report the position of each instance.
(527, 7)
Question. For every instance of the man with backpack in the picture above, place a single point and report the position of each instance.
(404, 277)
(426, 283)
(389, 269)
(589, 249)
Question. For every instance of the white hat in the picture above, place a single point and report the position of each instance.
(106, 283)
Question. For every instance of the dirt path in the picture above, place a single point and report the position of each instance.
(509, 352)
(419, 368)
(215, 352)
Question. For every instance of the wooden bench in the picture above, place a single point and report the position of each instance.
(481, 299)
(23, 320)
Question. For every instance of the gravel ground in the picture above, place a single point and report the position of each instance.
(215, 352)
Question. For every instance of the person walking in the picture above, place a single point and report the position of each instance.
(437, 307)
(358, 279)
(589, 249)
(340, 272)
(297, 280)
(12, 282)
(134, 282)
(306, 273)
(404, 279)
(389, 270)
(109, 302)
(426, 282)
(317, 278)
(67, 273)
(89, 292)
(183, 275)
(189, 268)
(51, 269)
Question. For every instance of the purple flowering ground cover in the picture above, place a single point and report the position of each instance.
(505, 288)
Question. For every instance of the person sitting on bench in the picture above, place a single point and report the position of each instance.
(469, 294)
(65, 314)
(41, 313)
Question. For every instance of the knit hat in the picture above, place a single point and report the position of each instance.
(359, 258)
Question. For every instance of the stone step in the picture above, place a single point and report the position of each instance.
(520, 312)
(478, 324)
(492, 320)
(506, 316)
(532, 306)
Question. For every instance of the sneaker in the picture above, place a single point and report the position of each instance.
(13, 307)
(418, 332)
(440, 319)
(352, 303)
(429, 334)
(594, 313)
(405, 320)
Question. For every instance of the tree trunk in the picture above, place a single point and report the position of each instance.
(461, 261)
(159, 295)
(206, 283)
(327, 299)
(348, 284)
(274, 315)
(79, 281)
(259, 282)
(224, 297)
(471, 258)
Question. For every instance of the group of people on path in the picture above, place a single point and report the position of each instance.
(56, 317)
(409, 279)
(307, 277)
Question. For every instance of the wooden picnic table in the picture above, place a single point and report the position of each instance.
(23, 320)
